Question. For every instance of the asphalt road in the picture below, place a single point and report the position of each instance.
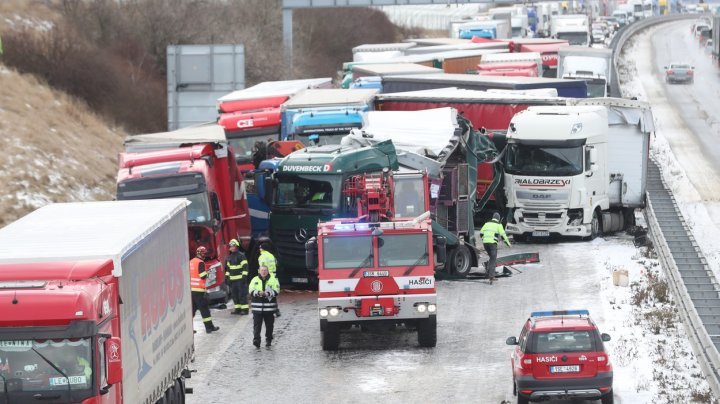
(471, 362)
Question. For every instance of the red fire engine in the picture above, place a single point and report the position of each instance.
(380, 266)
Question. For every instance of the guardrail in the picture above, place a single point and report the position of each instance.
(628, 31)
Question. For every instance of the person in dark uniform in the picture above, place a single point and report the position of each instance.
(198, 276)
(236, 271)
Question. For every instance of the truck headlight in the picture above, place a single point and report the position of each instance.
(421, 308)
(324, 312)
(334, 311)
(431, 308)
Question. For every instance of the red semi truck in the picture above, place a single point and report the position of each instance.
(193, 163)
(95, 303)
(378, 269)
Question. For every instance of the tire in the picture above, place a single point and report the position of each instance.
(179, 392)
(607, 398)
(427, 332)
(459, 261)
(330, 337)
(522, 400)
(595, 226)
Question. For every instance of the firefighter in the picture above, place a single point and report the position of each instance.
(199, 292)
(491, 233)
(268, 260)
(264, 289)
(236, 271)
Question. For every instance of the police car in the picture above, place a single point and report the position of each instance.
(560, 355)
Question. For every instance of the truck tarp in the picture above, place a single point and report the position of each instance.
(492, 110)
(384, 69)
(400, 83)
(205, 133)
(276, 88)
(500, 45)
(548, 52)
(330, 97)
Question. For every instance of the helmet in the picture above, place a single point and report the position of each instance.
(201, 251)
(496, 216)
(234, 242)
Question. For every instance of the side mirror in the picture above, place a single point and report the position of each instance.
(311, 261)
(268, 189)
(605, 337)
(665, 67)
(511, 341)
(113, 360)
(593, 156)
(441, 249)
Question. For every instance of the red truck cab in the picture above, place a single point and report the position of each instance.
(199, 169)
(560, 355)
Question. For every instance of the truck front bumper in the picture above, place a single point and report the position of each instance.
(559, 230)
(355, 309)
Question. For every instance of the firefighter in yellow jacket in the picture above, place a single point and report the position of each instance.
(491, 233)
(198, 276)
(264, 290)
(236, 272)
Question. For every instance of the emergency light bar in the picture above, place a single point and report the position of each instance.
(352, 226)
(560, 313)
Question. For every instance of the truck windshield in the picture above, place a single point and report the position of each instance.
(596, 88)
(522, 159)
(308, 191)
(347, 252)
(403, 250)
(245, 146)
(323, 138)
(574, 38)
(28, 377)
(199, 209)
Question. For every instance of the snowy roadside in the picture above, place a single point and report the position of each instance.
(654, 362)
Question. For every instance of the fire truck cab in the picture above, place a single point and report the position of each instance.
(380, 266)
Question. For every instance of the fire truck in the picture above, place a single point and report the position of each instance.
(378, 268)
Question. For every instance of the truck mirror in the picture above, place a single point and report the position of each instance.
(311, 253)
(113, 360)
(593, 156)
(605, 337)
(511, 341)
(441, 249)
(268, 190)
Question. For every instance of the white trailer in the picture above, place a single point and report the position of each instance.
(577, 170)
(594, 65)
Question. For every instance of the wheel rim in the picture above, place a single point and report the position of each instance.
(461, 261)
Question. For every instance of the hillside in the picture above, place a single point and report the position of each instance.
(56, 149)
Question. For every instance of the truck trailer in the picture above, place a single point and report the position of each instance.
(95, 302)
(510, 61)
(578, 170)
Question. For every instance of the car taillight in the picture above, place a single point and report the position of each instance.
(669, 72)
(527, 363)
(603, 363)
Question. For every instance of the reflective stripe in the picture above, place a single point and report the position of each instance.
(207, 319)
(235, 277)
(264, 304)
(238, 306)
(244, 306)
(197, 290)
(203, 274)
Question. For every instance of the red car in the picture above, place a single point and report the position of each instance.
(560, 355)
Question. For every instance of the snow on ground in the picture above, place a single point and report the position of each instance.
(653, 358)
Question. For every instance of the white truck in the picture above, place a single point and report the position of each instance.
(577, 170)
(575, 28)
(594, 65)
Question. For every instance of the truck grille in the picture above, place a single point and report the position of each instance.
(542, 218)
(287, 247)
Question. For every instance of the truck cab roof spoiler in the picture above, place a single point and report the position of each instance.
(622, 111)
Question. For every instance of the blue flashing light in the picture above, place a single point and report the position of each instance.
(560, 313)
(362, 226)
(344, 227)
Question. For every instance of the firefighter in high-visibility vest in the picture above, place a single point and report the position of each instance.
(268, 260)
(264, 290)
(198, 289)
(236, 272)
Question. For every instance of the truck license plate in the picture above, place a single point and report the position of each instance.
(541, 233)
(299, 280)
(565, 369)
(61, 381)
(370, 274)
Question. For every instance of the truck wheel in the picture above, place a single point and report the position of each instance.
(331, 337)
(523, 400)
(459, 261)
(595, 226)
(427, 332)
(179, 392)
